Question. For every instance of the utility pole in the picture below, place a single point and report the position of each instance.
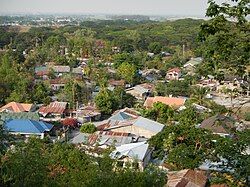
(73, 97)
(183, 51)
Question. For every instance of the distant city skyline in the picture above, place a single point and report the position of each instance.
(131, 7)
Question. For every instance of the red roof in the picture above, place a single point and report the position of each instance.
(116, 82)
(94, 137)
(42, 73)
(58, 81)
(178, 70)
(17, 107)
(171, 101)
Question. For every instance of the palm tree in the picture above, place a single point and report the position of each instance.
(198, 96)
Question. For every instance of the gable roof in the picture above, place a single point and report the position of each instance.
(219, 124)
(113, 82)
(132, 150)
(61, 69)
(193, 62)
(148, 124)
(171, 101)
(79, 138)
(54, 107)
(187, 178)
(27, 126)
(120, 116)
(77, 70)
(124, 114)
(41, 70)
(16, 107)
(110, 138)
(178, 70)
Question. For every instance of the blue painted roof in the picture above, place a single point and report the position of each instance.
(27, 126)
(120, 116)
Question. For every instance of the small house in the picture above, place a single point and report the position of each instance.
(54, 111)
(141, 91)
(27, 127)
(173, 74)
(57, 84)
(135, 154)
(220, 124)
(15, 107)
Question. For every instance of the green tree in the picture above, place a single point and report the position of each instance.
(198, 96)
(22, 91)
(127, 72)
(234, 151)
(159, 112)
(174, 88)
(20, 167)
(106, 102)
(155, 47)
(41, 92)
(36, 163)
(189, 116)
(124, 99)
(186, 146)
(225, 36)
(4, 138)
(73, 92)
(88, 128)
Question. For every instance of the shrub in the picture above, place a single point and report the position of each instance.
(247, 116)
(88, 128)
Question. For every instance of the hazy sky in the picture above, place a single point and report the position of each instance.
(150, 7)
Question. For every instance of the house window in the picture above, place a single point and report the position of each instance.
(120, 164)
(135, 165)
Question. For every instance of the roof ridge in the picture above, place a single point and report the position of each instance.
(34, 123)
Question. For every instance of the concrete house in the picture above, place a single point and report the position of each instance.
(141, 91)
(140, 126)
(192, 64)
(27, 127)
(173, 74)
(138, 153)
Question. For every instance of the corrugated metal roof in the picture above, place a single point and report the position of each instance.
(120, 116)
(55, 107)
(148, 124)
(219, 124)
(27, 126)
(80, 138)
(187, 178)
(61, 69)
(132, 150)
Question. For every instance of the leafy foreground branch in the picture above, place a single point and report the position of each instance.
(36, 163)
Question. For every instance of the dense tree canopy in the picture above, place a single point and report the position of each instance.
(226, 37)
(159, 112)
(185, 145)
(36, 163)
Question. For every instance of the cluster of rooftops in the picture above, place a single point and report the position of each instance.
(126, 129)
